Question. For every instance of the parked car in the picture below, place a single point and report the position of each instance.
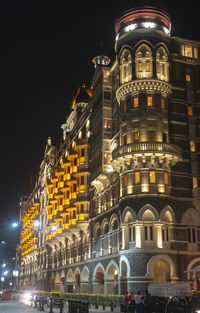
(183, 304)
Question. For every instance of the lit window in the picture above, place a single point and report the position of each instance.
(126, 67)
(136, 136)
(192, 146)
(137, 177)
(166, 178)
(152, 176)
(162, 103)
(194, 182)
(149, 101)
(125, 181)
(162, 64)
(189, 51)
(144, 62)
(188, 78)
(124, 106)
(190, 110)
(135, 102)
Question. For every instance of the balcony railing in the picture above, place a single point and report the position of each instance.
(146, 147)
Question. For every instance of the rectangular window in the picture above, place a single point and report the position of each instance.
(75, 162)
(135, 102)
(82, 152)
(82, 208)
(74, 188)
(189, 235)
(148, 66)
(189, 51)
(151, 233)
(149, 101)
(152, 177)
(140, 66)
(195, 182)
(163, 234)
(162, 103)
(137, 178)
(82, 180)
(150, 135)
(124, 139)
(124, 107)
(190, 110)
(125, 180)
(130, 233)
(166, 178)
(133, 229)
(193, 235)
(136, 136)
(188, 78)
(146, 233)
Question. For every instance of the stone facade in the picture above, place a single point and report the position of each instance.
(117, 204)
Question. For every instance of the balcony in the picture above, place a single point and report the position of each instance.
(146, 147)
(162, 150)
(141, 85)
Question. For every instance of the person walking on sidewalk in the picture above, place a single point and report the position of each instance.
(138, 303)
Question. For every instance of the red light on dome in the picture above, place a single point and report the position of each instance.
(143, 13)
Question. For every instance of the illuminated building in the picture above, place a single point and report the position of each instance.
(118, 202)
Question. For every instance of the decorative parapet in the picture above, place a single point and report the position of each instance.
(133, 87)
(146, 147)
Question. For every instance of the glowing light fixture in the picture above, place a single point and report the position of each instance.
(130, 27)
(149, 25)
(117, 37)
(53, 228)
(166, 30)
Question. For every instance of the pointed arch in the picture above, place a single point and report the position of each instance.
(126, 261)
(143, 61)
(114, 222)
(128, 215)
(105, 226)
(112, 264)
(149, 208)
(160, 257)
(162, 64)
(70, 276)
(85, 274)
(167, 214)
(98, 267)
(191, 217)
(125, 66)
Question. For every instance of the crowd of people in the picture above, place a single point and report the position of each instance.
(138, 303)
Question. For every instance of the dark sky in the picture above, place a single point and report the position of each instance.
(46, 49)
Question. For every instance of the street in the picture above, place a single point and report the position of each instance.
(15, 307)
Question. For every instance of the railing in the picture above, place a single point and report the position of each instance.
(143, 147)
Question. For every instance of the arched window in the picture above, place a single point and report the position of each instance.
(144, 62)
(162, 65)
(125, 67)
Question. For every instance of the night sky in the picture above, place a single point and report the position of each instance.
(46, 52)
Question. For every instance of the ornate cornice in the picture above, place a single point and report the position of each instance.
(133, 87)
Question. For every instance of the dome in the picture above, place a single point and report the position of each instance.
(83, 94)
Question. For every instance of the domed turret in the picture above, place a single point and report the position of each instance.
(83, 94)
(101, 58)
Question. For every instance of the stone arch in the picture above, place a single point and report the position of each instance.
(191, 217)
(167, 214)
(125, 66)
(162, 258)
(77, 279)
(195, 263)
(112, 274)
(129, 215)
(144, 61)
(97, 230)
(85, 280)
(70, 276)
(105, 226)
(98, 286)
(114, 220)
(85, 274)
(162, 64)
(124, 273)
(150, 208)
